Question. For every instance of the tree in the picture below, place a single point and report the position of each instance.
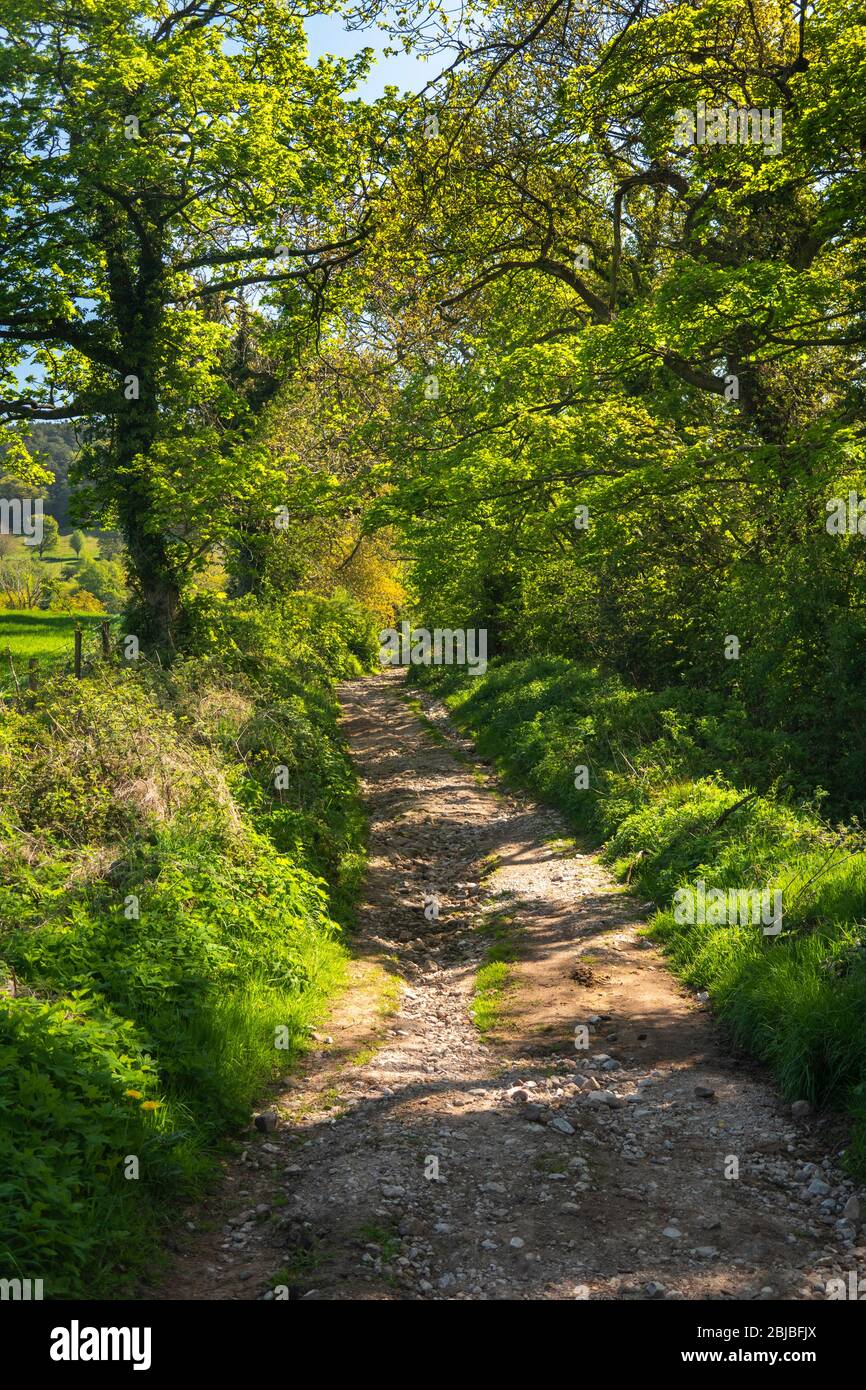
(50, 534)
(160, 166)
(76, 543)
(579, 311)
(22, 582)
(110, 545)
(105, 581)
(56, 446)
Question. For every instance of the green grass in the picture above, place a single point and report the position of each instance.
(387, 1240)
(496, 975)
(550, 1163)
(31, 632)
(49, 637)
(61, 552)
(169, 936)
(430, 729)
(181, 1007)
(682, 788)
(300, 1268)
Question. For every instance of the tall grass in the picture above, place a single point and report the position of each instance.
(169, 934)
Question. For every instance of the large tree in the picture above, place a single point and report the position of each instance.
(582, 312)
(180, 189)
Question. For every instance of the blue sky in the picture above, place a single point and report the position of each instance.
(326, 34)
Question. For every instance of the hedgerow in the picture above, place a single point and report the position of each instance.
(170, 925)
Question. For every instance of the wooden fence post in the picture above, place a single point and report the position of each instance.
(106, 641)
(78, 653)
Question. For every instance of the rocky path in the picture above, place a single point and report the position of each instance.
(417, 1158)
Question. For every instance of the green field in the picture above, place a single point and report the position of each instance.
(61, 553)
(30, 632)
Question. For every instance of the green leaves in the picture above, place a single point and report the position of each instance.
(173, 183)
(150, 1035)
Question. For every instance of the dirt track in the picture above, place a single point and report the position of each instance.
(414, 1160)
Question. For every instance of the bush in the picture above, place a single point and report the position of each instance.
(75, 602)
(305, 636)
(105, 580)
(163, 912)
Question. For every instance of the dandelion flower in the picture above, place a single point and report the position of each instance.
(136, 1095)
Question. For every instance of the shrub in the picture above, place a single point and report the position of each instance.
(164, 911)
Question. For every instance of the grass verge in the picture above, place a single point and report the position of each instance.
(170, 932)
(679, 788)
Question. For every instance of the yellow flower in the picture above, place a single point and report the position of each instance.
(136, 1095)
(150, 1104)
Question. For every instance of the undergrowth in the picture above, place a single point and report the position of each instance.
(180, 851)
